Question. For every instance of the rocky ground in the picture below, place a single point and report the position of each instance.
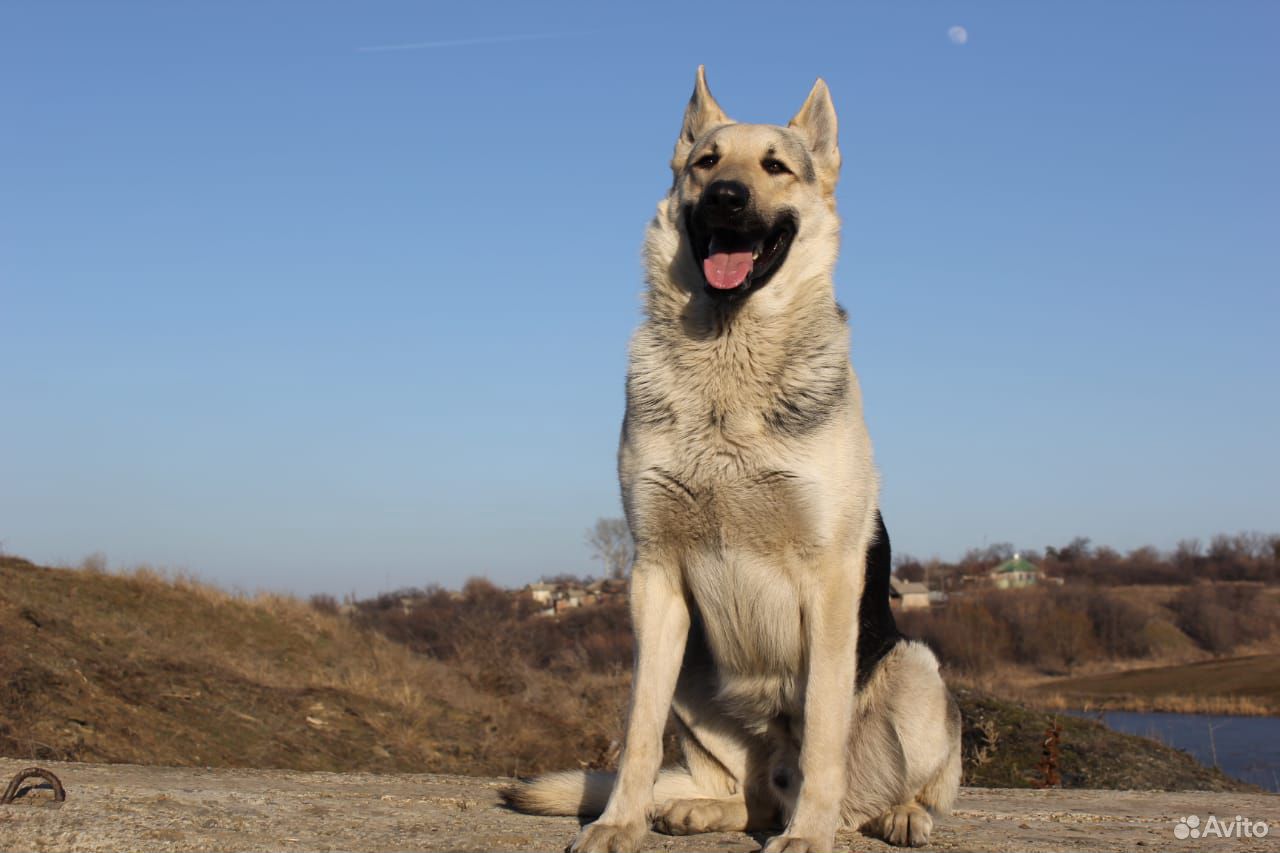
(113, 807)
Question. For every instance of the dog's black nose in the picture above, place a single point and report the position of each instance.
(726, 197)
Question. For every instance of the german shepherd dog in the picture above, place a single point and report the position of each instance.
(760, 589)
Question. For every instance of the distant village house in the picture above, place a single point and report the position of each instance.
(908, 595)
(553, 599)
(1019, 573)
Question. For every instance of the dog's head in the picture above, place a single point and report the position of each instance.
(746, 196)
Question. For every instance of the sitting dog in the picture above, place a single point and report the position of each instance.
(760, 588)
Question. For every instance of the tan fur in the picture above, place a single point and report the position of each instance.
(748, 481)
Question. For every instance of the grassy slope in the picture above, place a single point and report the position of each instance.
(138, 668)
(1091, 755)
(1256, 678)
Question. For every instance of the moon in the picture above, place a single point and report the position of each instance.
(958, 34)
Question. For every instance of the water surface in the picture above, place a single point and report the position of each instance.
(1247, 748)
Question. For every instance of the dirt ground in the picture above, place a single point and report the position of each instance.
(113, 807)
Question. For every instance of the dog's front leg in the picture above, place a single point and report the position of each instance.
(830, 607)
(660, 617)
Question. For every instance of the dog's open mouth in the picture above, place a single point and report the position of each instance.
(734, 262)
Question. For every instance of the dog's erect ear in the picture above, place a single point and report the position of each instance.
(702, 114)
(816, 121)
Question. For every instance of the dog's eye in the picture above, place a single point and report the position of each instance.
(708, 161)
(775, 167)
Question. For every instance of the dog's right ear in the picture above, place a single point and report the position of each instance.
(702, 114)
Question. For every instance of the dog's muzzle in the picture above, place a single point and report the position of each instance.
(736, 249)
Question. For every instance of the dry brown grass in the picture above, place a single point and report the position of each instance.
(1245, 706)
(152, 668)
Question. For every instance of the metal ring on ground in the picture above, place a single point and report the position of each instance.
(59, 793)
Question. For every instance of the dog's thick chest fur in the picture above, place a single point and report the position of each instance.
(721, 433)
(727, 464)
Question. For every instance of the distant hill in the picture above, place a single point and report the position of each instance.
(146, 669)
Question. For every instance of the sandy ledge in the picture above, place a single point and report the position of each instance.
(116, 807)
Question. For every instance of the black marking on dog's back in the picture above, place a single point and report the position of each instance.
(877, 631)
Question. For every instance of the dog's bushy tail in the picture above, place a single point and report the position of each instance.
(585, 794)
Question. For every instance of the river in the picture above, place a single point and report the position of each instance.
(1247, 748)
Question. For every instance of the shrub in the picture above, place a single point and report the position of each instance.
(1220, 617)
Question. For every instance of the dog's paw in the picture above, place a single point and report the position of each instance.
(907, 825)
(609, 838)
(689, 817)
(787, 843)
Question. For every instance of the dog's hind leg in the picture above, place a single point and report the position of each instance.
(726, 764)
(716, 803)
(910, 824)
(905, 755)
(939, 793)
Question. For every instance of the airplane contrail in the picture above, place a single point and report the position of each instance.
(428, 45)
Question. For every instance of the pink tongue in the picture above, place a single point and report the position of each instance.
(726, 270)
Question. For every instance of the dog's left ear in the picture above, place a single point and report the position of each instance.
(816, 121)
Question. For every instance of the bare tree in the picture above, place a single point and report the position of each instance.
(909, 569)
(611, 544)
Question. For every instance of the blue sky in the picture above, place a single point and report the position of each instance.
(287, 312)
